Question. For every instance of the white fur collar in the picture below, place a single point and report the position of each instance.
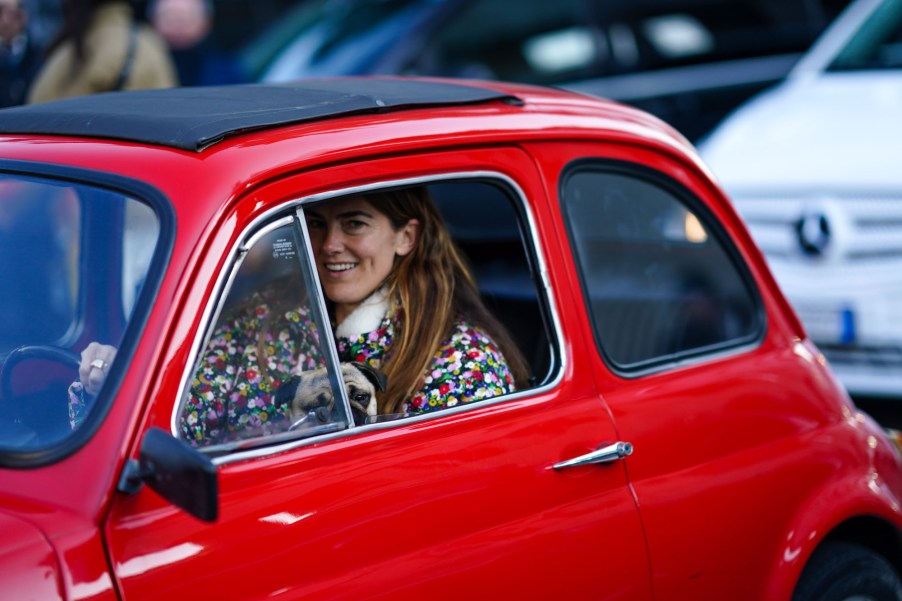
(366, 317)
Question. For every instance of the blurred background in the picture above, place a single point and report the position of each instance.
(687, 61)
(796, 109)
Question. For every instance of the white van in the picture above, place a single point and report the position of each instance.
(815, 168)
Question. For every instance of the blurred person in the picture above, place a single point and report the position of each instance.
(102, 48)
(19, 55)
(186, 26)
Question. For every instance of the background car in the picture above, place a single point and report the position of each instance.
(687, 62)
(812, 167)
(680, 436)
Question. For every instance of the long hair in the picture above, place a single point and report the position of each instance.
(434, 287)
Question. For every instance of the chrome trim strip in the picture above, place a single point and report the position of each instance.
(555, 343)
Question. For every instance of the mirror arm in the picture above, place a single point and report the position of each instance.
(132, 478)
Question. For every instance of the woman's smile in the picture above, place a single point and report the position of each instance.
(339, 267)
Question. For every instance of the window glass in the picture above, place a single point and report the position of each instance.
(877, 44)
(539, 42)
(660, 284)
(265, 340)
(138, 241)
(39, 226)
(485, 225)
(74, 259)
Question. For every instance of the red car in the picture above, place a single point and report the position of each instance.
(679, 436)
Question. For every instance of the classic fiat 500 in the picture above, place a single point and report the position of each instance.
(226, 374)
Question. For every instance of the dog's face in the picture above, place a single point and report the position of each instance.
(311, 392)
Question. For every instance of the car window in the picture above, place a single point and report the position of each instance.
(278, 366)
(877, 44)
(76, 257)
(539, 42)
(658, 277)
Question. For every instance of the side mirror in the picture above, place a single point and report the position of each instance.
(183, 476)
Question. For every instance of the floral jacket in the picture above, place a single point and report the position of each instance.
(231, 399)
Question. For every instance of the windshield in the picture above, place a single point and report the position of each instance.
(877, 44)
(74, 260)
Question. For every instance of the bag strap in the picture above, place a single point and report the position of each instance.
(129, 59)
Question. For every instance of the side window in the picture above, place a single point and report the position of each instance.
(660, 280)
(264, 339)
(367, 308)
(496, 242)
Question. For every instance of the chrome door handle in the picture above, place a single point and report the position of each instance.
(606, 453)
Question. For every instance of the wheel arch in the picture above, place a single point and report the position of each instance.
(874, 532)
(858, 508)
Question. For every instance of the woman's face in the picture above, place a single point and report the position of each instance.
(355, 248)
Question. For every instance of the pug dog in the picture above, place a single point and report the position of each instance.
(310, 400)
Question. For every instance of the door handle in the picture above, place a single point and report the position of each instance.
(606, 453)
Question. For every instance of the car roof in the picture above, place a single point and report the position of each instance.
(194, 118)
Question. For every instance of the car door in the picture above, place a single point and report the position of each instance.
(460, 503)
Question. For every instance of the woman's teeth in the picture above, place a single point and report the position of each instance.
(340, 266)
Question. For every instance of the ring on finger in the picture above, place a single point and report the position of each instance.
(99, 364)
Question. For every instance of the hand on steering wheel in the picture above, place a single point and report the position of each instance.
(94, 366)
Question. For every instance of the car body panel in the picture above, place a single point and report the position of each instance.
(807, 120)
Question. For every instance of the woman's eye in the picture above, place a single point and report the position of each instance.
(315, 224)
(354, 225)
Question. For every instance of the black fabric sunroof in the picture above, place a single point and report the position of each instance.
(196, 117)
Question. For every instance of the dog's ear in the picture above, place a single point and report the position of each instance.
(288, 390)
(376, 377)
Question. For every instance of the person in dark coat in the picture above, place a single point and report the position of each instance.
(19, 55)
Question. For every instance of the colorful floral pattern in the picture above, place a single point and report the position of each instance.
(232, 392)
(232, 398)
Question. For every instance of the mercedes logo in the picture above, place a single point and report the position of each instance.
(813, 230)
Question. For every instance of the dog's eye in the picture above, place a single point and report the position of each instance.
(360, 397)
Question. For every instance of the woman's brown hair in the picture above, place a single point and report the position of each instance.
(435, 288)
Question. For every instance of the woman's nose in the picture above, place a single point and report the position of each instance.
(334, 240)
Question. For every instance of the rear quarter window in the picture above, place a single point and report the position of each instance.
(661, 279)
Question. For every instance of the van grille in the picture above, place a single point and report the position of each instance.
(848, 229)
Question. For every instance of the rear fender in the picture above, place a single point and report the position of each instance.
(865, 498)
